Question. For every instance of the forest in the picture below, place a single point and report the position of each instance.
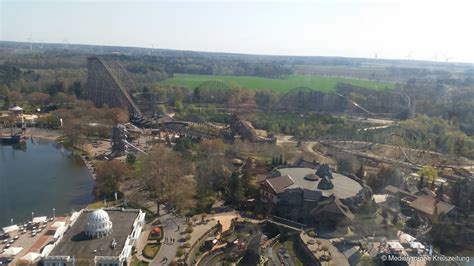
(435, 102)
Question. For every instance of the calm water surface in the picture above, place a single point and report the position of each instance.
(39, 177)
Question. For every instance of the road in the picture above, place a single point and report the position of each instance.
(167, 251)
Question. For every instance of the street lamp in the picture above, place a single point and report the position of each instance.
(32, 216)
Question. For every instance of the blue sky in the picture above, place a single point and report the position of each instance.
(393, 29)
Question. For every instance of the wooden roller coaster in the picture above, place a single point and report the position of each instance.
(109, 84)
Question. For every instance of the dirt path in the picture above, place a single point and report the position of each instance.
(309, 147)
(306, 147)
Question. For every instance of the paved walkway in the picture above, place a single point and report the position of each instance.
(200, 228)
(172, 228)
(141, 243)
(225, 219)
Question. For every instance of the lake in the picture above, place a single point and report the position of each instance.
(38, 177)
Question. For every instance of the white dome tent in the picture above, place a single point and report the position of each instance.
(98, 224)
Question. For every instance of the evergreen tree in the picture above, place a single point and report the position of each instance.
(395, 218)
(361, 172)
(236, 189)
(456, 192)
(421, 182)
(440, 192)
(246, 178)
(280, 161)
(131, 158)
(384, 216)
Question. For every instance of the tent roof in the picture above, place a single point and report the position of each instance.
(416, 245)
(10, 228)
(16, 108)
(31, 256)
(40, 219)
(395, 245)
(406, 238)
(12, 251)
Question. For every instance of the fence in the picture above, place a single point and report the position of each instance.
(286, 222)
(189, 257)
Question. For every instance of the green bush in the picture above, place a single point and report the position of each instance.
(179, 252)
(189, 230)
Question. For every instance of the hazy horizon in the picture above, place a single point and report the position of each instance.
(392, 30)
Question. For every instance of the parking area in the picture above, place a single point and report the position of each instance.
(24, 241)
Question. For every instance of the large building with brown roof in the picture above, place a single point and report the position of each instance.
(431, 207)
(424, 201)
(296, 192)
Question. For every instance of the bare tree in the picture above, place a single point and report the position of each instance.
(212, 168)
(109, 174)
(167, 173)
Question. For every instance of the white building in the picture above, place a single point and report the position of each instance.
(102, 237)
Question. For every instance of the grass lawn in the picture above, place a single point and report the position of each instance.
(289, 245)
(151, 250)
(318, 83)
(100, 204)
(137, 262)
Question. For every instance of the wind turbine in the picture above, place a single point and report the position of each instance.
(447, 58)
(409, 56)
(65, 44)
(435, 57)
(30, 39)
(152, 48)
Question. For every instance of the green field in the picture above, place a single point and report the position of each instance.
(319, 83)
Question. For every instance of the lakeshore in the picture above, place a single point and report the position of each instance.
(86, 154)
(39, 176)
(53, 135)
(44, 134)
